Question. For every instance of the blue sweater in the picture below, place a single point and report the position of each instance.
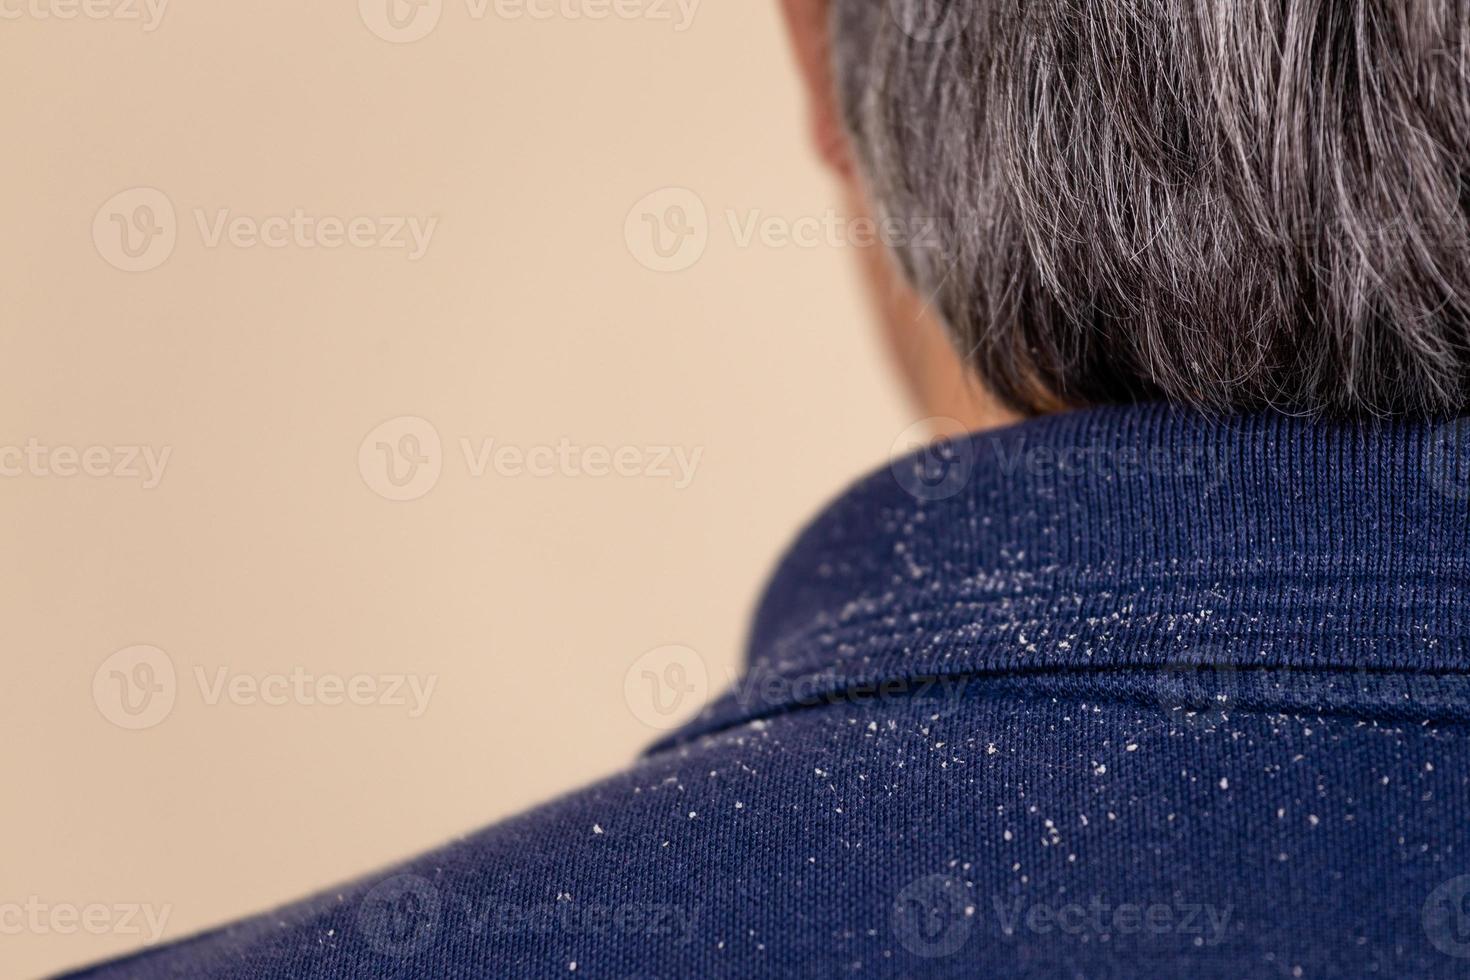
(1121, 693)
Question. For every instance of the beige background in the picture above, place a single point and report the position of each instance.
(264, 549)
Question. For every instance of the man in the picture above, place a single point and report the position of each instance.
(1165, 673)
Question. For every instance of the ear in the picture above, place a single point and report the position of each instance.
(809, 24)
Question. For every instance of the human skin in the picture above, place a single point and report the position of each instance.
(932, 372)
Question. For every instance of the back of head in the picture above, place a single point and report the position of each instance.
(1226, 205)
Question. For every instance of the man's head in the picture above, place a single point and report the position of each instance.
(1224, 204)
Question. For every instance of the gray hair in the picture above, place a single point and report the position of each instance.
(1230, 204)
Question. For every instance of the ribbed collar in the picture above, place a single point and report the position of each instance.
(1130, 537)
